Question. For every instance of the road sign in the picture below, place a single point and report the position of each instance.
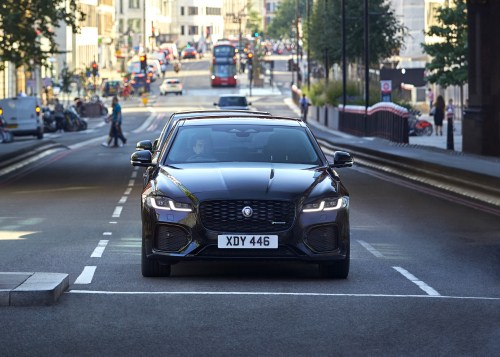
(386, 86)
(31, 83)
(47, 82)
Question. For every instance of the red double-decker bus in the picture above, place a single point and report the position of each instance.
(223, 69)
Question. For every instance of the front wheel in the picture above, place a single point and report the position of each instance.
(39, 134)
(428, 130)
(339, 269)
(151, 268)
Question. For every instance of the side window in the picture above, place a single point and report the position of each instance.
(165, 141)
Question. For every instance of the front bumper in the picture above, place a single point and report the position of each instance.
(314, 237)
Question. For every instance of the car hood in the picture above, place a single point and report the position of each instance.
(210, 181)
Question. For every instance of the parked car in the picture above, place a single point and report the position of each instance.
(22, 116)
(110, 87)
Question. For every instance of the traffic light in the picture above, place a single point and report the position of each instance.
(256, 32)
(208, 31)
(153, 32)
(144, 63)
(250, 58)
(95, 69)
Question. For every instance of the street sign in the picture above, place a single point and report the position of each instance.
(118, 53)
(88, 73)
(386, 91)
(47, 82)
(31, 83)
(52, 59)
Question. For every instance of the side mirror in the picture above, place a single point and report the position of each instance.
(342, 159)
(249, 103)
(144, 145)
(215, 104)
(141, 158)
(155, 145)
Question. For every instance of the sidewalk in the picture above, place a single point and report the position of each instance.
(470, 175)
(439, 141)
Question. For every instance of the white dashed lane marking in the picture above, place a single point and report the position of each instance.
(371, 249)
(127, 191)
(419, 283)
(118, 211)
(134, 174)
(136, 168)
(123, 199)
(107, 233)
(131, 183)
(86, 275)
(99, 249)
(113, 222)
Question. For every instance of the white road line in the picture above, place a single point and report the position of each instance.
(99, 249)
(127, 191)
(86, 275)
(419, 283)
(371, 249)
(107, 233)
(146, 123)
(134, 174)
(118, 211)
(113, 222)
(131, 183)
(275, 294)
(88, 142)
(123, 199)
(136, 168)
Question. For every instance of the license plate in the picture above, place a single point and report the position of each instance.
(247, 241)
(111, 90)
(173, 86)
(11, 126)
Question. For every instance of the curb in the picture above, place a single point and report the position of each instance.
(21, 154)
(36, 289)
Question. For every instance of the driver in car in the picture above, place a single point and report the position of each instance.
(203, 147)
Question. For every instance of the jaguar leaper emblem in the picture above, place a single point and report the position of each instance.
(247, 211)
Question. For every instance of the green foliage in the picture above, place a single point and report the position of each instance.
(449, 65)
(320, 94)
(325, 32)
(396, 99)
(254, 19)
(21, 19)
(284, 20)
(67, 78)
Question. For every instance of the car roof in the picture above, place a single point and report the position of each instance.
(259, 120)
(232, 95)
(170, 79)
(220, 113)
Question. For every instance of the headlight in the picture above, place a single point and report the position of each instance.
(328, 204)
(235, 76)
(166, 203)
(213, 77)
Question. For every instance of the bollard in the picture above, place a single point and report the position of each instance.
(145, 98)
(449, 139)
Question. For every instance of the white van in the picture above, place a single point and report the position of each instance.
(22, 116)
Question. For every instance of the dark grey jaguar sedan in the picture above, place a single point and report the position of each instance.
(256, 188)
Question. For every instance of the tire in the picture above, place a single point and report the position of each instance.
(39, 134)
(428, 130)
(151, 268)
(339, 269)
(104, 111)
(83, 125)
(3, 137)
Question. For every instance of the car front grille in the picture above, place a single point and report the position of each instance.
(227, 216)
(170, 238)
(323, 239)
(213, 251)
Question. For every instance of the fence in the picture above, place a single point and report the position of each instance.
(384, 120)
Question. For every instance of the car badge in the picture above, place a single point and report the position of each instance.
(247, 211)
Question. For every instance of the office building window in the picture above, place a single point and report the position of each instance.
(182, 10)
(182, 30)
(121, 6)
(192, 10)
(213, 11)
(133, 4)
(193, 30)
(268, 6)
(134, 25)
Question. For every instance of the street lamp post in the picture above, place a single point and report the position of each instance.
(367, 58)
(308, 51)
(344, 61)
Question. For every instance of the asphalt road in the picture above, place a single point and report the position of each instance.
(424, 277)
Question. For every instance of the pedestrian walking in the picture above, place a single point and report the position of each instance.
(431, 98)
(116, 122)
(304, 106)
(438, 112)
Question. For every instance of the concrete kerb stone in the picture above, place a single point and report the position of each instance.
(38, 290)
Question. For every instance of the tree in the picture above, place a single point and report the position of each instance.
(67, 77)
(254, 19)
(284, 20)
(23, 24)
(386, 32)
(449, 66)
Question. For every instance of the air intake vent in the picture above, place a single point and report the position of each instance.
(323, 239)
(170, 238)
(213, 251)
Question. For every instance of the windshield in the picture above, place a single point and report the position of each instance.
(232, 102)
(224, 70)
(224, 51)
(134, 67)
(242, 143)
